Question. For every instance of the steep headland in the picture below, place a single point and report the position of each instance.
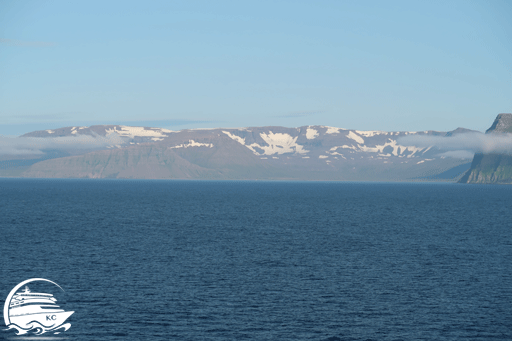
(492, 167)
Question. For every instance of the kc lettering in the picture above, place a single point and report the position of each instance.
(35, 312)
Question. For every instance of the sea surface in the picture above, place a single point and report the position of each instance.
(250, 260)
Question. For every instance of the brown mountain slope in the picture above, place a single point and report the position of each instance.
(147, 162)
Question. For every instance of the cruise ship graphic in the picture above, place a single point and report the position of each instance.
(28, 309)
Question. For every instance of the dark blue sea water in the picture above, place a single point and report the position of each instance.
(199, 260)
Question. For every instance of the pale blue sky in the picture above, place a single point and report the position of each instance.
(368, 65)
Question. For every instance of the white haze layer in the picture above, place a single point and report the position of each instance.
(462, 145)
(36, 145)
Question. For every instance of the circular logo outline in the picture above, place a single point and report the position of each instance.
(15, 289)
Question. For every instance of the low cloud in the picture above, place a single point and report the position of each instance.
(37, 145)
(458, 154)
(462, 145)
(13, 42)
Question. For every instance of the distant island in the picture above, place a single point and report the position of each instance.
(257, 153)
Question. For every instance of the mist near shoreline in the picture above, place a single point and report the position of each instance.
(462, 145)
(37, 145)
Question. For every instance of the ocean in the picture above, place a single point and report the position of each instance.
(253, 260)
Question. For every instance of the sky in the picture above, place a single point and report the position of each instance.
(366, 65)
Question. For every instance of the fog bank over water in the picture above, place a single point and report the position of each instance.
(35, 145)
(462, 145)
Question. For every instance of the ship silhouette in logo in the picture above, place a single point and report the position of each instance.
(34, 312)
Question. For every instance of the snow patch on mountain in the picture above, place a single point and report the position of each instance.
(397, 150)
(391, 147)
(192, 143)
(424, 160)
(280, 144)
(333, 130)
(333, 149)
(355, 137)
(370, 133)
(235, 137)
(311, 133)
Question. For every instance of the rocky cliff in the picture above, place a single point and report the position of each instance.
(492, 167)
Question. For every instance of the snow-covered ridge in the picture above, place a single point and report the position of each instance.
(370, 133)
(156, 134)
(310, 141)
(126, 133)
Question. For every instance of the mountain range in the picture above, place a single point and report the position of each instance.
(259, 153)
